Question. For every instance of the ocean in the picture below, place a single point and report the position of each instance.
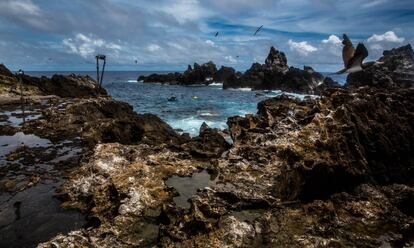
(193, 106)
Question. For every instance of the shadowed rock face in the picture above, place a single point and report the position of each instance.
(104, 120)
(397, 70)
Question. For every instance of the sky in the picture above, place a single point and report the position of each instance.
(167, 35)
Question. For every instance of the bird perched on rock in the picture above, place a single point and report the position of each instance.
(353, 59)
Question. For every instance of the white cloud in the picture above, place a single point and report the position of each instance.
(210, 43)
(373, 3)
(389, 36)
(303, 47)
(153, 47)
(376, 47)
(230, 59)
(333, 39)
(26, 7)
(87, 46)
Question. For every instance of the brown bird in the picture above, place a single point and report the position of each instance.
(353, 59)
(348, 51)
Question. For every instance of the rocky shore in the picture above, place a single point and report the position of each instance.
(335, 171)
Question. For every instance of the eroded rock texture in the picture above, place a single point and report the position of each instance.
(335, 171)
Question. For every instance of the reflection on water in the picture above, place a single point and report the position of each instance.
(11, 143)
(188, 186)
(34, 216)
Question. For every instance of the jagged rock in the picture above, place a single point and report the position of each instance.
(223, 74)
(276, 75)
(276, 60)
(200, 74)
(397, 70)
(209, 144)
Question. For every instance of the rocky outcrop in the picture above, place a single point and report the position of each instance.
(66, 86)
(223, 74)
(10, 85)
(275, 74)
(73, 86)
(397, 70)
(199, 74)
(103, 120)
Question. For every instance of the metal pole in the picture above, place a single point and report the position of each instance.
(97, 69)
(103, 69)
(21, 73)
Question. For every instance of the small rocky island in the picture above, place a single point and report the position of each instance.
(274, 74)
(335, 171)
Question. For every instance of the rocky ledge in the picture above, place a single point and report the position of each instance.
(74, 86)
(334, 171)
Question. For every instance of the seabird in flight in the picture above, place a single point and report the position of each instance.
(353, 59)
(257, 31)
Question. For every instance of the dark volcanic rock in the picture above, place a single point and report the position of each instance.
(74, 86)
(66, 86)
(5, 72)
(276, 75)
(209, 144)
(276, 60)
(104, 120)
(223, 74)
(200, 74)
(345, 152)
(397, 70)
(170, 78)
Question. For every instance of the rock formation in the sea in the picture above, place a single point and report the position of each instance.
(397, 70)
(59, 85)
(198, 74)
(275, 74)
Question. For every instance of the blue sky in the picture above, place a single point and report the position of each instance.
(169, 34)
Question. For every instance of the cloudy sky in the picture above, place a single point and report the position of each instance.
(169, 34)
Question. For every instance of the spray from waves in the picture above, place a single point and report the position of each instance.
(192, 124)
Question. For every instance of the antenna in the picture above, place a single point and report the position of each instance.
(99, 79)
